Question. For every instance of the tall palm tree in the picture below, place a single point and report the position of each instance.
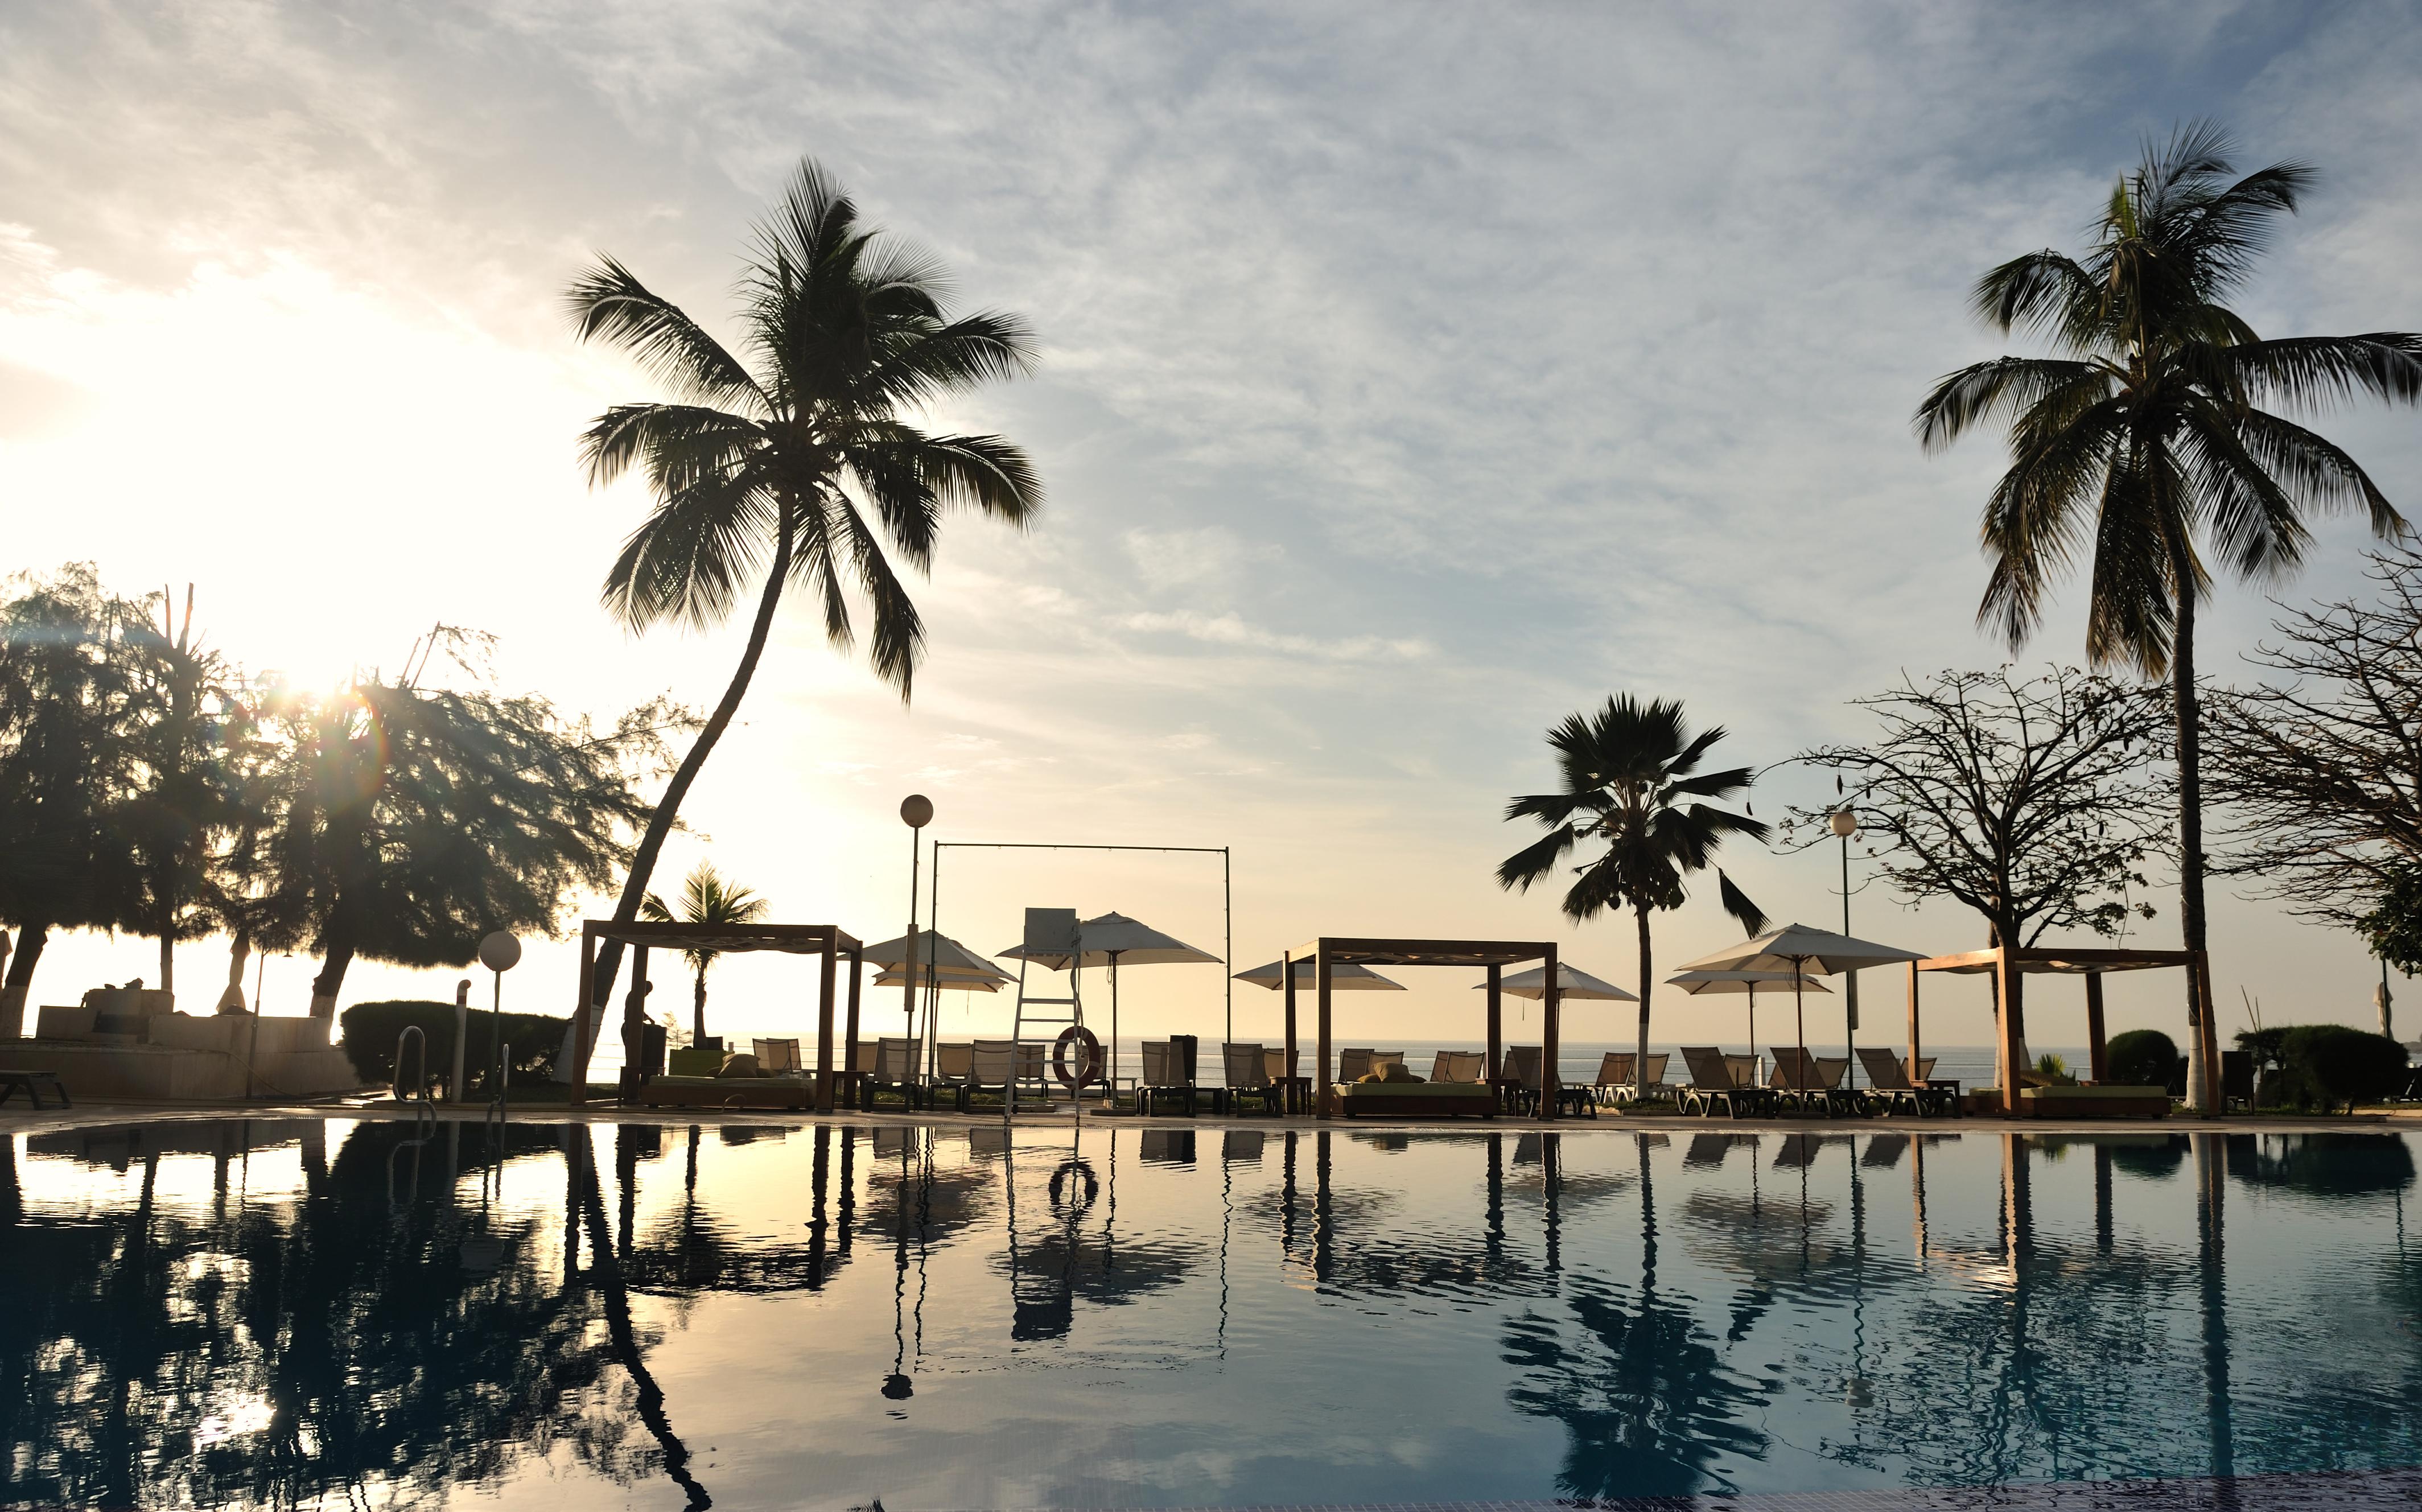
(1629, 773)
(790, 461)
(2147, 441)
(708, 897)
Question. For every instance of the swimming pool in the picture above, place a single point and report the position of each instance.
(252, 1312)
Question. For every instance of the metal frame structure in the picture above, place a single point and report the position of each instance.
(1330, 950)
(828, 942)
(933, 909)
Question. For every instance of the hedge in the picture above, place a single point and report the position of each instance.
(2330, 1065)
(2141, 1057)
(371, 1030)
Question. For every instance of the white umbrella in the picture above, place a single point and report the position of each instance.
(1696, 983)
(1571, 982)
(1342, 977)
(1796, 949)
(1106, 941)
(938, 955)
(957, 981)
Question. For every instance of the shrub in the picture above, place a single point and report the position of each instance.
(2330, 1065)
(2141, 1057)
(371, 1030)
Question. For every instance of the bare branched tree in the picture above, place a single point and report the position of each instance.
(2035, 802)
(2321, 776)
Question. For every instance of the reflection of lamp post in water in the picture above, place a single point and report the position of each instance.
(500, 952)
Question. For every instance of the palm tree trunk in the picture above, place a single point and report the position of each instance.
(31, 938)
(1639, 1062)
(331, 978)
(2191, 859)
(660, 823)
(698, 1009)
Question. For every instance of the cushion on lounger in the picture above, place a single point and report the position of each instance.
(739, 1064)
(1420, 1089)
(1396, 1072)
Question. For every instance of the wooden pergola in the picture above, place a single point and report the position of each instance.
(828, 942)
(2010, 967)
(1329, 951)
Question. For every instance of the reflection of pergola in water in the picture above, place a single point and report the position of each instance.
(2011, 967)
(830, 942)
(1329, 952)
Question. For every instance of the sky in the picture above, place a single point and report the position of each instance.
(1411, 377)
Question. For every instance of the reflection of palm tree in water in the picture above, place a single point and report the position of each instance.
(623, 1337)
(1647, 1407)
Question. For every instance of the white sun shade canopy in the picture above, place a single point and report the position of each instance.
(1571, 982)
(963, 982)
(1797, 947)
(1696, 983)
(938, 954)
(1342, 977)
(1114, 936)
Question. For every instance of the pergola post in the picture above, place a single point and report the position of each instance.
(2006, 977)
(577, 1094)
(1916, 1040)
(2096, 1068)
(824, 1029)
(1320, 987)
(1496, 1023)
(849, 1037)
(1548, 1028)
(634, 1021)
(2207, 1031)
(1286, 985)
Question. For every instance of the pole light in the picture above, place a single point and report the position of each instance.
(1844, 822)
(500, 952)
(916, 811)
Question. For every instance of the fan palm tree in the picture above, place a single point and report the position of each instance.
(790, 461)
(2147, 441)
(708, 897)
(1630, 777)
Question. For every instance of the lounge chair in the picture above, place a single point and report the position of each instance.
(992, 1066)
(1889, 1083)
(1459, 1067)
(1353, 1065)
(895, 1070)
(1281, 1065)
(1650, 1084)
(1522, 1071)
(1812, 1085)
(1613, 1071)
(1167, 1073)
(1248, 1075)
(1713, 1086)
(954, 1065)
(777, 1057)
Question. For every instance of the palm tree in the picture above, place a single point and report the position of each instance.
(708, 897)
(795, 464)
(2145, 442)
(1628, 771)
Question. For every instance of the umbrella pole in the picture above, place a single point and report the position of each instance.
(1114, 1027)
(1756, 1061)
(1800, 1023)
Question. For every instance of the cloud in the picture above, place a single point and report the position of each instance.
(1228, 630)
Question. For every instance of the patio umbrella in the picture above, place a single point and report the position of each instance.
(1696, 983)
(1106, 941)
(1342, 977)
(1800, 951)
(1571, 982)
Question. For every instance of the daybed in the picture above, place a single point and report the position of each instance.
(1416, 1099)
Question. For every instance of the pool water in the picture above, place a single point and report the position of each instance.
(232, 1314)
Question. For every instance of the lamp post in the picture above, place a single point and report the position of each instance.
(1844, 822)
(500, 952)
(916, 811)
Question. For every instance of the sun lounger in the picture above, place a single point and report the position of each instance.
(1525, 1078)
(954, 1065)
(1889, 1082)
(1248, 1076)
(1460, 1067)
(992, 1066)
(1712, 1086)
(1614, 1072)
(1168, 1074)
(1353, 1065)
(1651, 1084)
(895, 1070)
(777, 1057)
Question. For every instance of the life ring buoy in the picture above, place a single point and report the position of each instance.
(1090, 1186)
(1088, 1061)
